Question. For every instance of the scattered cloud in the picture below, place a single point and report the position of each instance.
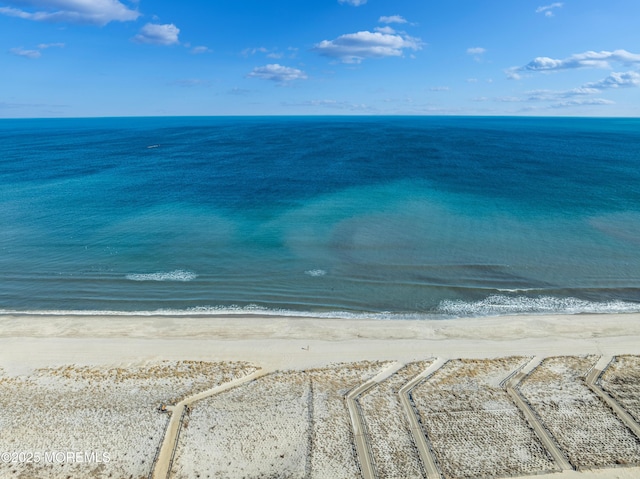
(548, 9)
(269, 52)
(583, 90)
(333, 104)
(439, 88)
(238, 91)
(386, 30)
(510, 99)
(582, 95)
(355, 3)
(472, 80)
(582, 102)
(21, 52)
(200, 50)
(44, 46)
(355, 47)
(392, 19)
(156, 34)
(554, 95)
(278, 73)
(588, 59)
(93, 12)
(512, 73)
(616, 80)
(554, 99)
(34, 53)
(476, 51)
(252, 51)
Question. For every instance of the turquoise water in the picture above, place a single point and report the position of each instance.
(385, 216)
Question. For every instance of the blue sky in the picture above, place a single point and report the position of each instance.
(76, 58)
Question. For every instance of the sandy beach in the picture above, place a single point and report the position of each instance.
(278, 342)
(303, 397)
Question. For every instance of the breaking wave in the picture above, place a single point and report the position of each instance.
(177, 275)
(499, 305)
(495, 305)
(315, 272)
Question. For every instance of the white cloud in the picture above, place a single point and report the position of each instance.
(583, 90)
(94, 12)
(200, 49)
(268, 52)
(476, 51)
(582, 102)
(616, 80)
(509, 99)
(335, 104)
(392, 19)
(21, 52)
(439, 88)
(355, 3)
(386, 29)
(36, 53)
(548, 95)
(588, 59)
(355, 47)
(252, 51)
(554, 99)
(512, 73)
(278, 73)
(44, 46)
(238, 91)
(155, 34)
(548, 9)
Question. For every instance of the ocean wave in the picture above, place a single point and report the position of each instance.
(495, 305)
(233, 310)
(500, 305)
(315, 272)
(518, 290)
(177, 275)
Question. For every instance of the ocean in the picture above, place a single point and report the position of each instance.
(383, 217)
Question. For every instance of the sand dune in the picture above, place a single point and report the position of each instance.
(93, 385)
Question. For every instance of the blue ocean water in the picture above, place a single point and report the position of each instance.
(388, 217)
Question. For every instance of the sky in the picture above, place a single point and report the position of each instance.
(95, 58)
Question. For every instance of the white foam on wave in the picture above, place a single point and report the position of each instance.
(177, 275)
(495, 305)
(315, 272)
(518, 290)
(499, 305)
(233, 310)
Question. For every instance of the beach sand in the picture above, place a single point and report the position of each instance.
(96, 370)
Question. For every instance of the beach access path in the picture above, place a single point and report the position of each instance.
(28, 342)
(169, 443)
